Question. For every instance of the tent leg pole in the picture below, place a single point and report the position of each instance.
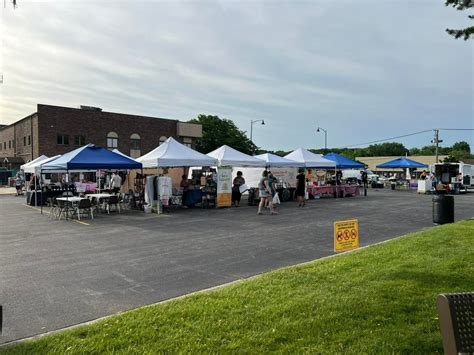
(67, 193)
(36, 192)
(41, 174)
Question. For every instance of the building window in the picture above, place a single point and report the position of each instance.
(24, 140)
(112, 140)
(135, 142)
(79, 140)
(5, 145)
(162, 139)
(9, 144)
(29, 140)
(62, 139)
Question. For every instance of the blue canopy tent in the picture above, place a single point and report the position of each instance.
(90, 157)
(402, 162)
(342, 162)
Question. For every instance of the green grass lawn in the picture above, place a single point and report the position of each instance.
(376, 300)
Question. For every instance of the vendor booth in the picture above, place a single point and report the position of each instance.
(35, 195)
(318, 184)
(227, 158)
(409, 165)
(87, 158)
(170, 154)
(283, 170)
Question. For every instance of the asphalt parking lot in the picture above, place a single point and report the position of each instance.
(54, 274)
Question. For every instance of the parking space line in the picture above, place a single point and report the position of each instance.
(80, 222)
(35, 208)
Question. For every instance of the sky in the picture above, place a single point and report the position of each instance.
(363, 70)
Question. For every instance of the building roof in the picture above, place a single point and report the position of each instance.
(89, 109)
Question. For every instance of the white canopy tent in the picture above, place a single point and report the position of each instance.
(227, 156)
(310, 160)
(35, 166)
(275, 161)
(171, 153)
(26, 165)
(122, 154)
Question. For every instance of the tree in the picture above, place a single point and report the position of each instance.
(461, 5)
(388, 149)
(461, 146)
(219, 131)
(414, 151)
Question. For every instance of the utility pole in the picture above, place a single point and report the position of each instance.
(436, 141)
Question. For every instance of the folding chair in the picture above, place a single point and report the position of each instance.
(113, 201)
(456, 319)
(84, 205)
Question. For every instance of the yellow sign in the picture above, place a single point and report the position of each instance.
(224, 200)
(346, 235)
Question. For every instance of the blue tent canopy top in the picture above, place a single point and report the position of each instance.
(344, 163)
(402, 162)
(91, 157)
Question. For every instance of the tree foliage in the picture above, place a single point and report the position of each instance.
(219, 131)
(461, 5)
(462, 146)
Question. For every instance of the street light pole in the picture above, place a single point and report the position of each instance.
(251, 128)
(319, 129)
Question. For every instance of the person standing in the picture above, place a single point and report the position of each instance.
(265, 194)
(365, 182)
(184, 185)
(19, 185)
(300, 188)
(236, 194)
(271, 184)
(116, 182)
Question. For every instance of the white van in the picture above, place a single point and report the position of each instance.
(447, 173)
(350, 174)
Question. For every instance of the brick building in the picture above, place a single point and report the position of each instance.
(53, 130)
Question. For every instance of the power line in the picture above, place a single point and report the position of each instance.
(388, 139)
(408, 135)
(456, 129)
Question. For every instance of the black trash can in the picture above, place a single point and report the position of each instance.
(393, 185)
(443, 209)
(252, 198)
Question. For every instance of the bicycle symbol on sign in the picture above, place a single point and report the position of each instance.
(353, 234)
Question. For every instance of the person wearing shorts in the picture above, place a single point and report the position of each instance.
(300, 187)
(265, 194)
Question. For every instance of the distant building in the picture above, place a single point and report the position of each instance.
(54, 130)
(372, 162)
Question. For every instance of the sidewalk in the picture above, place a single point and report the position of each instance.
(7, 190)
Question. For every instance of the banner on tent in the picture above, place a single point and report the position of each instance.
(224, 187)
